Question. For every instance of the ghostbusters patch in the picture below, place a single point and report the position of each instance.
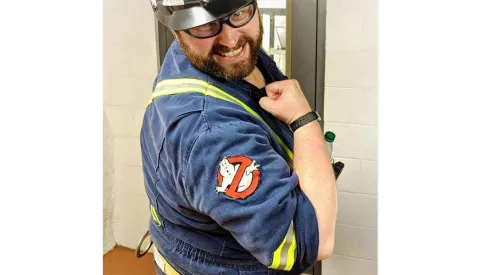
(238, 177)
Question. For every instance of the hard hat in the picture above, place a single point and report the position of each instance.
(185, 14)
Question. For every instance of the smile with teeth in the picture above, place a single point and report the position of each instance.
(232, 53)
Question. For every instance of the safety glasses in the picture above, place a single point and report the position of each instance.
(236, 19)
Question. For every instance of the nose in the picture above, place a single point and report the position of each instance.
(228, 36)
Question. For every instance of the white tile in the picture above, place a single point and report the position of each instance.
(130, 218)
(334, 7)
(358, 176)
(121, 120)
(368, 177)
(341, 104)
(131, 207)
(127, 151)
(370, 32)
(368, 107)
(127, 91)
(355, 69)
(341, 265)
(356, 242)
(129, 180)
(356, 7)
(140, 22)
(350, 105)
(114, 22)
(354, 141)
(138, 114)
(143, 60)
(344, 32)
(357, 209)
(350, 177)
(115, 60)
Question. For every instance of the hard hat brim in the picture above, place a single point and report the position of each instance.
(183, 19)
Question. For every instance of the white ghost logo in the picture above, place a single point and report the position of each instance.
(228, 172)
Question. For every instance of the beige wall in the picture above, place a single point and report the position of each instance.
(351, 112)
(129, 71)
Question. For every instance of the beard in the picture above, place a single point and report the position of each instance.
(235, 71)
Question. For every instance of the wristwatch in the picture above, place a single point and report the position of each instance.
(303, 120)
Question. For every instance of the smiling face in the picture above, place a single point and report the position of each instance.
(232, 54)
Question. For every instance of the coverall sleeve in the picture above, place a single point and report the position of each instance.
(234, 175)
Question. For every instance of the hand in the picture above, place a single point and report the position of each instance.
(285, 100)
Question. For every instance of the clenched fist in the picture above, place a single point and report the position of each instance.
(285, 100)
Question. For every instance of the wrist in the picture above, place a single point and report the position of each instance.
(303, 120)
(308, 131)
(299, 115)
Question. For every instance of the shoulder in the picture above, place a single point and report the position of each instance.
(173, 101)
(191, 106)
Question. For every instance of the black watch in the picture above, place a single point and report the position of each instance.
(303, 120)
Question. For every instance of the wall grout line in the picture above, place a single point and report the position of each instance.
(354, 258)
(359, 226)
(366, 194)
(351, 124)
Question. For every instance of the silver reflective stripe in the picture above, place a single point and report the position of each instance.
(284, 255)
(172, 88)
(287, 251)
(168, 86)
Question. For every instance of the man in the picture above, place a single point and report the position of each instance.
(227, 194)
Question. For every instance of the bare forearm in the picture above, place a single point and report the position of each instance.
(286, 101)
(317, 181)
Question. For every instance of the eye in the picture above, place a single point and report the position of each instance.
(238, 13)
(206, 27)
(241, 14)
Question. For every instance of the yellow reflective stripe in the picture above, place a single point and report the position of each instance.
(154, 215)
(276, 255)
(280, 141)
(189, 90)
(196, 85)
(174, 87)
(282, 144)
(284, 255)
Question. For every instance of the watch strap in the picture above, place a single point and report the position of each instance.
(303, 120)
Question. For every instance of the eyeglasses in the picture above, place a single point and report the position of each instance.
(236, 19)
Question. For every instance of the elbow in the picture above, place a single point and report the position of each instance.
(326, 249)
(324, 254)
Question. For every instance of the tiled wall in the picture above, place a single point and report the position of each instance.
(351, 112)
(130, 67)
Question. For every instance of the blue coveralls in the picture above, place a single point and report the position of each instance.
(217, 167)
